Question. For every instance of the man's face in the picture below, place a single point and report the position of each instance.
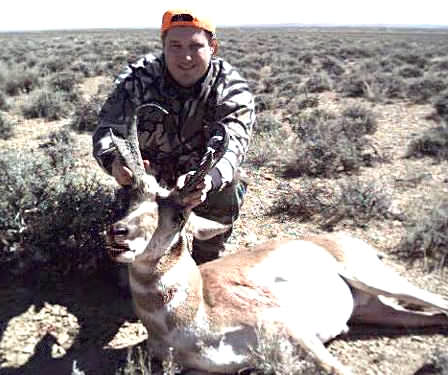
(187, 53)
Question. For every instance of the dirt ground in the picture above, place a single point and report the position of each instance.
(45, 327)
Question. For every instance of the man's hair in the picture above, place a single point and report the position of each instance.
(210, 36)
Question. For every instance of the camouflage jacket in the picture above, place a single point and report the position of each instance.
(175, 123)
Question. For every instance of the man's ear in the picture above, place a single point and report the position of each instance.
(214, 46)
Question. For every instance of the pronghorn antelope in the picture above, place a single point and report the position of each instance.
(309, 288)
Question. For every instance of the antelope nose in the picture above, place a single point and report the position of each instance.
(119, 230)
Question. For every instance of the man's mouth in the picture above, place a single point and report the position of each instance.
(185, 68)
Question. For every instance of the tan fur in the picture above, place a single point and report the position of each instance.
(209, 314)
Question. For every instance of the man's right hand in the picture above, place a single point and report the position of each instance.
(122, 174)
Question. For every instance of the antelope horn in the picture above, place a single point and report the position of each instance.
(215, 150)
(129, 151)
(206, 164)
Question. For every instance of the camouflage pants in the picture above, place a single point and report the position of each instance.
(224, 207)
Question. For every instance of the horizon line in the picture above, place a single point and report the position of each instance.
(229, 26)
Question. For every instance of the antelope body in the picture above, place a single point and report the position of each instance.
(309, 288)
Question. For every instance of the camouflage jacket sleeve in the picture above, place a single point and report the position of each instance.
(235, 111)
(118, 111)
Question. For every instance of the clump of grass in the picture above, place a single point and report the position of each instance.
(308, 201)
(275, 355)
(268, 143)
(359, 202)
(138, 362)
(426, 238)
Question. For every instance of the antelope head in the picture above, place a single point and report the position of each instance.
(155, 217)
(129, 237)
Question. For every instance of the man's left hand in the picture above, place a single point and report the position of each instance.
(199, 194)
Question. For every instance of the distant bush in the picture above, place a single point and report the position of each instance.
(46, 104)
(4, 106)
(441, 106)
(421, 90)
(332, 66)
(351, 199)
(426, 238)
(359, 121)
(267, 123)
(85, 116)
(65, 81)
(264, 102)
(359, 202)
(433, 143)
(411, 58)
(327, 146)
(410, 71)
(318, 82)
(307, 202)
(21, 80)
(6, 127)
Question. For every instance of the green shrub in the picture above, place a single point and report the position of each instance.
(51, 212)
(355, 85)
(332, 66)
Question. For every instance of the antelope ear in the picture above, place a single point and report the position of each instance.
(204, 229)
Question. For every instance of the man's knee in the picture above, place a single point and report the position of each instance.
(205, 251)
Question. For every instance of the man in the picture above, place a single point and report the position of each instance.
(182, 100)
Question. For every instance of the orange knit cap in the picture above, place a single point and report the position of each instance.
(186, 17)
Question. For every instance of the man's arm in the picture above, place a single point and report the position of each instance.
(236, 113)
(118, 112)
